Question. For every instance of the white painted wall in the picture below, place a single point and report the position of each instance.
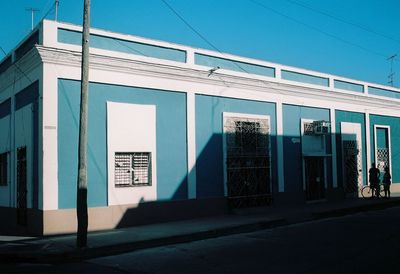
(131, 128)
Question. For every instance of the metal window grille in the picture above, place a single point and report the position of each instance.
(352, 165)
(3, 169)
(383, 158)
(308, 128)
(132, 169)
(248, 161)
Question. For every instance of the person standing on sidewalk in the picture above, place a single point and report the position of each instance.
(387, 180)
(374, 174)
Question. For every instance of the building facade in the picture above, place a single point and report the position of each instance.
(177, 132)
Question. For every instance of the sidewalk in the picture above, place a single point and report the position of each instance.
(57, 249)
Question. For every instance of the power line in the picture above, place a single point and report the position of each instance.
(343, 20)
(199, 34)
(14, 64)
(52, 8)
(317, 29)
(190, 26)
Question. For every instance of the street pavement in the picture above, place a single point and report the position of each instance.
(364, 242)
(62, 249)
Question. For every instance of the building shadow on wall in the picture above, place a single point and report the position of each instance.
(211, 199)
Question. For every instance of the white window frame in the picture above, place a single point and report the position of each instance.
(136, 134)
(376, 126)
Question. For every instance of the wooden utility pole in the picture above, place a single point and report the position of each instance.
(81, 204)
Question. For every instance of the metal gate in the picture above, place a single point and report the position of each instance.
(382, 158)
(352, 166)
(21, 186)
(315, 178)
(248, 171)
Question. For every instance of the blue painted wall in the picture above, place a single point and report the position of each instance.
(292, 153)
(114, 44)
(304, 78)
(350, 117)
(383, 92)
(211, 61)
(209, 142)
(171, 139)
(348, 86)
(394, 124)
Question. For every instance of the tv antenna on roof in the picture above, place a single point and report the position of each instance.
(391, 75)
(32, 10)
(56, 5)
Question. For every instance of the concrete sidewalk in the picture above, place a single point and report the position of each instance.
(57, 249)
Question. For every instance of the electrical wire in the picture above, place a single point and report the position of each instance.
(317, 29)
(200, 35)
(14, 64)
(52, 7)
(343, 20)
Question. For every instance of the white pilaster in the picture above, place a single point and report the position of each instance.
(49, 131)
(13, 158)
(333, 141)
(368, 139)
(191, 144)
(279, 140)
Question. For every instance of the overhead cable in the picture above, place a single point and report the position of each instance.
(317, 29)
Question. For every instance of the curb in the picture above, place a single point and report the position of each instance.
(338, 212)
(37, 253)
(76, 255)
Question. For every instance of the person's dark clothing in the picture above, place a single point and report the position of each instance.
(374, 174)
(387, 180)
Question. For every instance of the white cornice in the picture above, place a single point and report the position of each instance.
(221, 78)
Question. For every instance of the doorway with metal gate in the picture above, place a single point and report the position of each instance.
(351, 158)
(314, 176)
(247, 160)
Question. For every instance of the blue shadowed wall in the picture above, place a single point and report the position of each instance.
(348, 86)
(350, 117)
(211, 61)
(394, 124)
(292, 153)
(304, 78)
(171, 139)
(383, 92)
(209, 142)
(114, 44)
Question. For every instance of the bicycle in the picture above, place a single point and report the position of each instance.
(366, 191)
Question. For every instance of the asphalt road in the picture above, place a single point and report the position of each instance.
(367, 242)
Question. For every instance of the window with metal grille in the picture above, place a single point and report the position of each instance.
(308, 128)
(132, 169)
(3, 169)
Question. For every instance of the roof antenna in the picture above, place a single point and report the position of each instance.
(57, 3)
(32, 10)
(391, 75)
(211, 71)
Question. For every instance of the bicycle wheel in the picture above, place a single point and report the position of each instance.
(366, 192)
(381, 191)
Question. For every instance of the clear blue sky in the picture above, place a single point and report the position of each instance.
(310, 34)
